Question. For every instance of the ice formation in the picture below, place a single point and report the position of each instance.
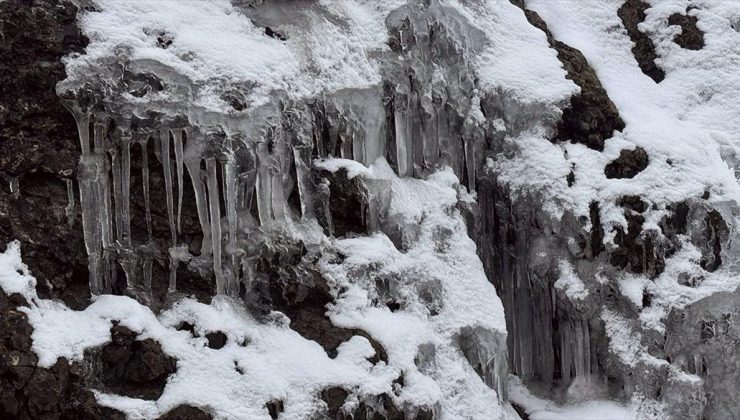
(434, 163)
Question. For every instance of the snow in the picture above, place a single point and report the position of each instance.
(448, 269)
(516, 59)
(570, 283)
(625, 342)
(437, 273)
(216, 45)
(542, 409)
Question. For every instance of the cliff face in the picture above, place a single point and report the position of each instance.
(367, 208)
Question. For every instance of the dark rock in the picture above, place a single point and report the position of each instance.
(30, 392)
(274, 34)
(638, 251)
(38, 144)
(216, 340)
(632, 202)
(347, 203)
(715, 229)
(274, 408)
(591, 117)
(186, 412)
(135, 368)
(632, 13)
(334, 398)
(186, 326)
(676, 222)
(596, 242)
(628, 164)
(690, 37)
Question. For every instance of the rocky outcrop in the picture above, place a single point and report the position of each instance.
(135, 368)
(632, 13)
(591, 117)
(691, 37)
(628, 164)
(38, 145)
(31, 392)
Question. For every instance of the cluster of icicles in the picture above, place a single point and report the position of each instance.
(228, 170)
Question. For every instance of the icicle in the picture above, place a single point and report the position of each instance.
(579, 356)
(373, 139)
(164, 142)
(146, 268)
(86, 175)
(302, 160)
(102, 193)
(177, 135)
(103, 184)
(470, 163)
(278, 198)
(201, 203)
(358, 148)
(117, 194)
(215, 213)
(431, 139)
(229, 174)
(698, 364)
(586, 348)
(416, 137)
(565, 350)
(69, 211)
(129, 261)
(264, 186)
(83, 128)
(126, 190)
(145, 183)
(324, 191)
(177, 254)
(402, 142)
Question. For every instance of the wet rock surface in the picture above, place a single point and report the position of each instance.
(632, 13)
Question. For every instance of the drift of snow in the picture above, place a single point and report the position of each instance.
(541, 409)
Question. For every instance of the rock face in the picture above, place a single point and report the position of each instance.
(135, 368)
(38, 146)
(591, 117)
(114, 187)
(31, 392)
(690, 37)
